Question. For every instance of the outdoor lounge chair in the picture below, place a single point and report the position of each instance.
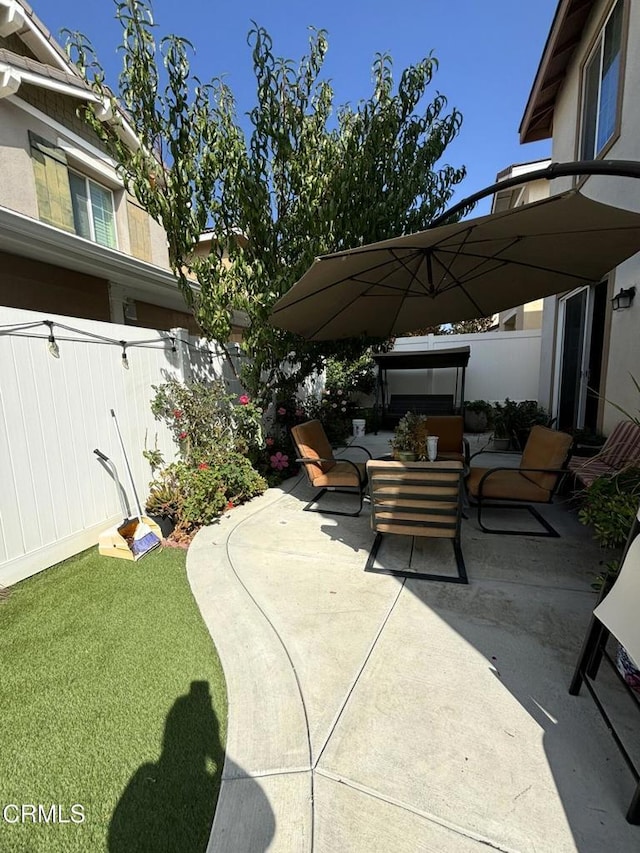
(541, 470)
(620, 450)
(417, 499)
(616, 615)
(324, 471)
(452, 445)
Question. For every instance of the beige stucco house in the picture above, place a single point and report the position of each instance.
(586, 98)
(529, 316)
(73, 241)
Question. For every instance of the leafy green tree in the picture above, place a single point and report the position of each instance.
(305, 179)
(463, 327)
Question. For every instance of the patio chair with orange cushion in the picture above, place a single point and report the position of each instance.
(452, 445)
(323, 470)
(536, 480)
(421, 499)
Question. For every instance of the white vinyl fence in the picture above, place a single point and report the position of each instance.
(501, 364)
(55, 496)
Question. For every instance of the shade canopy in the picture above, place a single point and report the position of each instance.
(423, 359)
(462, 271)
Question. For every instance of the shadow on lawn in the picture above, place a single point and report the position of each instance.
(169, 805)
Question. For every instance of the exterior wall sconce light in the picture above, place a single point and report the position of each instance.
(623, 298)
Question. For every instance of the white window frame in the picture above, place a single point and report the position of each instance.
(598, 48)
(88, 181)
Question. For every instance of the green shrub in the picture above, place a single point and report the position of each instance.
(352, 377)
(196, 494)
(218, 436)
(609, 505)
(514, 420)
(335, 412)
(201, 416)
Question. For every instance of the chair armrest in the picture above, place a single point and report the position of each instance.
(305, 460)
(358, 447)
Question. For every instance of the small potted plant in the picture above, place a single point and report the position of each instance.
(409, 440)
(526, 415)
(477, 415)
(164, 502)
(501, 426)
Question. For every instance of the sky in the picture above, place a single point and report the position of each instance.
(488, 52)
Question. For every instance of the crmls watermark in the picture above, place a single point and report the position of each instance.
(38, 813)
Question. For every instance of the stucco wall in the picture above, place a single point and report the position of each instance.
(624, 345)
(17, 187)
(159, 249)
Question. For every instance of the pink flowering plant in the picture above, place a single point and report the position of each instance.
(204, 415)
(219, 440)
(335, 410)
(279, 454)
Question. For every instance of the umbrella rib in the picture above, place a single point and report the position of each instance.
(355, 298)
(484, 259)
(459, 284)
(423, 257)
(503, 261)
(341, 281)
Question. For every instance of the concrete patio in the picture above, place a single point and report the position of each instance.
(371, 713)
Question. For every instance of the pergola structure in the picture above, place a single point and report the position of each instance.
(389, 409)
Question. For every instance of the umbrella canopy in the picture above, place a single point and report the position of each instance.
(470, 269)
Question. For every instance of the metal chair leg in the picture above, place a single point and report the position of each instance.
(549, 531)
(461, 577)
(310, 508)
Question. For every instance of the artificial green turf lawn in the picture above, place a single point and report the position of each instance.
(98, 707)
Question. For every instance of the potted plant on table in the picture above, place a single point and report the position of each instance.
(409, 440)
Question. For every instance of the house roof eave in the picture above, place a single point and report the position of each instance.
(565, 33)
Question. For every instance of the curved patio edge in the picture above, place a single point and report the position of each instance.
(267, 773)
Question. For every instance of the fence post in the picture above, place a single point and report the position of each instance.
(183, 355)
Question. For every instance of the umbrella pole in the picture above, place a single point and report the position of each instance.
(617, 168)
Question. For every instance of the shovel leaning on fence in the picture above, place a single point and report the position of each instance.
(136, 536)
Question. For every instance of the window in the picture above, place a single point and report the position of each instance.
(92, 210)
(69, 200)
(600, 87)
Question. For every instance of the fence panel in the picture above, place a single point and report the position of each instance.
(55, 497)
(502, 364)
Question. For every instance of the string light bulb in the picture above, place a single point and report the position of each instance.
(52, 344)
(125, 360)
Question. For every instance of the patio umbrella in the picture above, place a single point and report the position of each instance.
(462, 271)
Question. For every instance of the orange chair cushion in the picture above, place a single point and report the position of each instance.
(341, 474)
(450, 457)
(545, 448)
(312, 443)
(507, 484)
(450, 432)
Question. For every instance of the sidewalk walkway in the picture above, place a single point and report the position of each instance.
(372, 714)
